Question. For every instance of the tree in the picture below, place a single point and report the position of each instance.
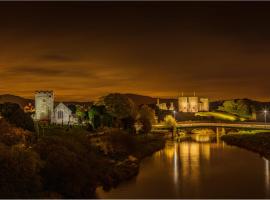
(98, 116)
(228, 106)
(243, 108)
(19, 169)
(121, 108)
(15, 115)
(128, 124)
(170, 122)
(69, 165)
(239, 107)
(80, 113)
(10, 135)
(147, 118)
(119, 105)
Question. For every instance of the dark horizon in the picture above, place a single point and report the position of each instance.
(83, 50)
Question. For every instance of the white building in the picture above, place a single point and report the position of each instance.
(63, 115)
(44, 107)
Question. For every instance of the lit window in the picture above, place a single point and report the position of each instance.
(60, 114)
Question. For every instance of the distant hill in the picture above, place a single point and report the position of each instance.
(15, 99)
(140, 99)
(23, 101)
(258, 105)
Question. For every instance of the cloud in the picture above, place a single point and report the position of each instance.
(54, 57)
(50, 71)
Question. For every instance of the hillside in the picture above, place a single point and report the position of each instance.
(23, 101)
(140, 99)
(15, 99)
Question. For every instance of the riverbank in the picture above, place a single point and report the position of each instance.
(259, 142)
(122, 154)
(68, 162)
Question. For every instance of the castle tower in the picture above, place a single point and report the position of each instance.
(157, 101)
(44, 105)
(171, 106)
(204, 104)
(193, 104)
(182, 104)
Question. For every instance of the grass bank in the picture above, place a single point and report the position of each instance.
(256, 142)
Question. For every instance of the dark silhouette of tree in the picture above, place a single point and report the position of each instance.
(69, 168)
(147, 118)
(122, 109)
(15, 115)
(19, 169)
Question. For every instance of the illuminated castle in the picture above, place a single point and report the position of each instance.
(192, 104)
(186, 104)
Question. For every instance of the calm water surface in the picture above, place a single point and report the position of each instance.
(198, 169)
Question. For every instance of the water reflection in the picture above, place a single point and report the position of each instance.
(198, 169)
(186, 158)
(267, 178)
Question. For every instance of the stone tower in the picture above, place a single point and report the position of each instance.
(204, 104)
(183, 104)
(44, 105)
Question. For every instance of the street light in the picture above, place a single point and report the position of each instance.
(174, 113)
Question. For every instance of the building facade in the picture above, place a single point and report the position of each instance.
(193, 104)
(45, 110)
(44, 103)
(164, 106)
(63, 115)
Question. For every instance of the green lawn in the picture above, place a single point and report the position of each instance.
(221, 116)
(251, 131)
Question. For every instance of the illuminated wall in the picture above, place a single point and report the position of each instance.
(183, 104)
(62, 115)
(44, 105)
(192, 104)
(204, 104)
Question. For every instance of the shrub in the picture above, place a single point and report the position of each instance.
(15, 115)
(69, 166)
(19, 172)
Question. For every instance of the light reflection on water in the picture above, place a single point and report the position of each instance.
(198, 170)
(267, 178)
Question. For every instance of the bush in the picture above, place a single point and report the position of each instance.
(10, 135)
(19, 169)
(69, 166)
(15, 115)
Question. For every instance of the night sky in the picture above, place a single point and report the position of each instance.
(86, 50)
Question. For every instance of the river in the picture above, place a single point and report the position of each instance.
(197, 169)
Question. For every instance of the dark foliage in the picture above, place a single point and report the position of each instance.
(69, 166)
(128, 124)
(15, 115)
(19, 173)
(146, 125)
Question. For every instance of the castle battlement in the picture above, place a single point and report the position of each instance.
(44, 92)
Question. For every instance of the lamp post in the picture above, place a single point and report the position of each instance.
(174, 113)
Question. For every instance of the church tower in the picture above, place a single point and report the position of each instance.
(44, 105)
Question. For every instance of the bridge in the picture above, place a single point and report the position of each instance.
(190, 124)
